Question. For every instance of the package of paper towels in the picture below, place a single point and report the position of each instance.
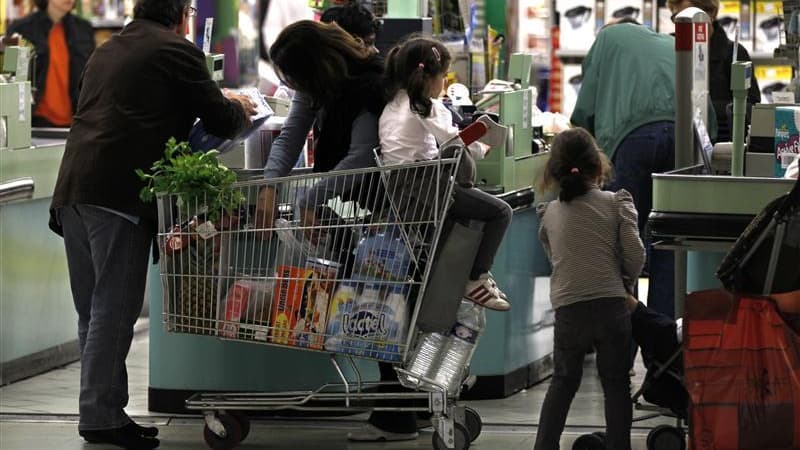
(787, 137)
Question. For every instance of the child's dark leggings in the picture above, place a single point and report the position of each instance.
(474, 204)
(605, 324)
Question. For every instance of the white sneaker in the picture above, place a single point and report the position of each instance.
(371, 433)
(484, 292)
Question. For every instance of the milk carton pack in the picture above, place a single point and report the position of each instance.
(340, 306)
(787, 137)
(387, 347)
(377, 324)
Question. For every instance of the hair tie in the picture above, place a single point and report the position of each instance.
(421, 66)
(574, 170)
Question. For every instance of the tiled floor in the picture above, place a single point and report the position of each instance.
(41, 413)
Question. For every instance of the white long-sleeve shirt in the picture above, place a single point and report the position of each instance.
(406, 136)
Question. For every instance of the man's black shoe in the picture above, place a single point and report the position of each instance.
(144, 431)
(126, 437)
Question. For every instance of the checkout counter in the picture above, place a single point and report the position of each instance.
(514, 352)
(37, 318)
(698, 213)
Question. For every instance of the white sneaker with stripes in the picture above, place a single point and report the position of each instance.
(484, 291)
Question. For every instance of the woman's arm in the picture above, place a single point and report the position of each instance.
(286, 148)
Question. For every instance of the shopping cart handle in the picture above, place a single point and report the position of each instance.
(473, 132)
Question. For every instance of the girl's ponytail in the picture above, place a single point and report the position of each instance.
(576, 164)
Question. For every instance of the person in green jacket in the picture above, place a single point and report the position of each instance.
(627, 101)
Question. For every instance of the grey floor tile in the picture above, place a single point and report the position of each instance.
(275, 436)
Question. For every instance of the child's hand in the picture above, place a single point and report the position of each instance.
(631, 302)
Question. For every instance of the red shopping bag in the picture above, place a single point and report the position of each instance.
(742, 373)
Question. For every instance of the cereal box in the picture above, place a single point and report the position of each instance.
(286, 306)
(318, 289)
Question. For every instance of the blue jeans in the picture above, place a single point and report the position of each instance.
(647, 150)
(107, 257)
(605, 325)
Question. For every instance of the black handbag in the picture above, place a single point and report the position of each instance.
(766, 257)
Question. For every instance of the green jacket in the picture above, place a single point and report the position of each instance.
(628, 81)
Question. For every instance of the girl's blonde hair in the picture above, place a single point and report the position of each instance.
(576, 163)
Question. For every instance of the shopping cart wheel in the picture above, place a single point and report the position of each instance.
(233, 434)
(244, 422)
(665, 437)
(589, 442)
(460, 435)
(473, 423)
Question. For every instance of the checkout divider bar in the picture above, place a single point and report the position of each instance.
(15, 190)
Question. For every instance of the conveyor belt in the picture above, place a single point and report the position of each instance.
(672, 225)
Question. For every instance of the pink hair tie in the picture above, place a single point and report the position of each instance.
(421, 65)
(574, 170)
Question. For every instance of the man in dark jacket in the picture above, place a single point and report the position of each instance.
(142, 87)
(63, 43)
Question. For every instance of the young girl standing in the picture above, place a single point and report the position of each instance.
(412, 126)
(592, 239)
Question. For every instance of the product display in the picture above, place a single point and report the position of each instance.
(768, 24)
(620, 9)
(772, 79)
(728, 18)
(578, 19)
(571, 86)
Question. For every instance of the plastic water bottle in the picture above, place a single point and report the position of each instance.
(454, 359)
(443, 358)
(424, 359)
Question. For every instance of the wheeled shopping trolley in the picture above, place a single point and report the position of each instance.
(289, 263)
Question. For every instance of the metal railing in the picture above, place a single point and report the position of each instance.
(15, 190)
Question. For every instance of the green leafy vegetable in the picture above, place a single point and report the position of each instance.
(196, 178)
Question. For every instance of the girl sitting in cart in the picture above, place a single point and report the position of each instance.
(411, 127)
(592, 239)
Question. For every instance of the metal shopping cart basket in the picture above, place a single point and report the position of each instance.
(341, 275)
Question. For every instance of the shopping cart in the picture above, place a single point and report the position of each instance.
(343, 275)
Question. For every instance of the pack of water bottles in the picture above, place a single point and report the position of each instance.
(368, 315)
(444, 358)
